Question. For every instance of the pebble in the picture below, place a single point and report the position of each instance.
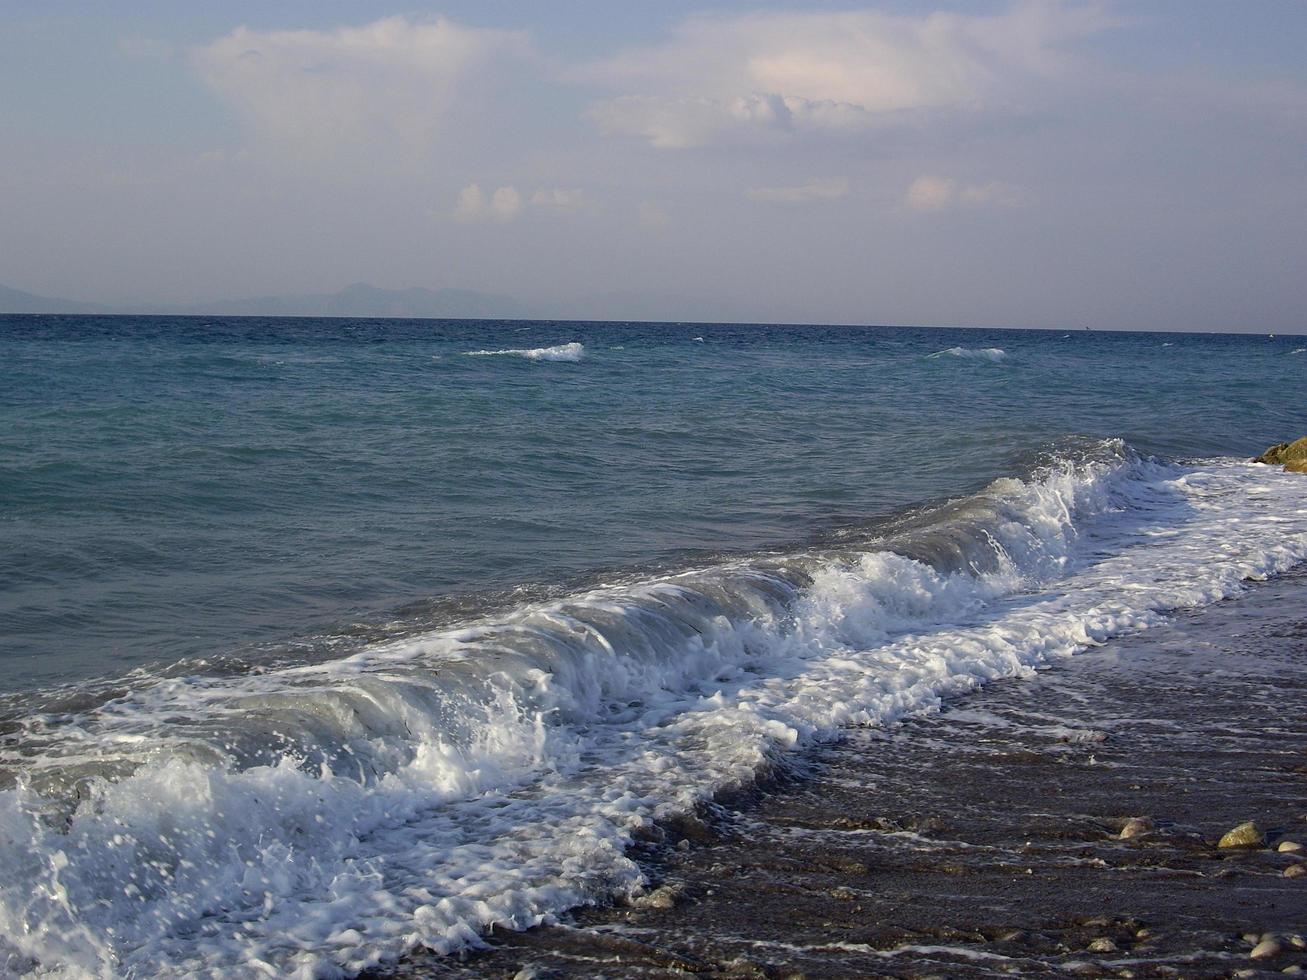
(1245, 835)
(1292, 969)
(1102, 945)
(1135, 826)
(1295, 871)
(660, 898)
(1297, 942)
(1266, 949)
(1289, 847)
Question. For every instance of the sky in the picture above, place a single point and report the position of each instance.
(1035, 163)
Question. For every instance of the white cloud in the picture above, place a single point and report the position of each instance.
(796, 72)
(474, 205)
(932, 193)
(389, 81)
(816, 190)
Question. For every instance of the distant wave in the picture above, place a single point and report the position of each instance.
(1298, 350)
(563, 352)
(973, 353)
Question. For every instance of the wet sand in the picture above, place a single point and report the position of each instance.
(986, 840)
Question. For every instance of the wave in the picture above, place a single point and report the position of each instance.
(563, 352)
(322, 819)
(973, 353)
(1298, 350)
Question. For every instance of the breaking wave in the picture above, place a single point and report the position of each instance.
(320, 819)
(563, 352)
(973, 353)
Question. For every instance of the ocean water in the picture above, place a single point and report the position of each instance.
(320, 640)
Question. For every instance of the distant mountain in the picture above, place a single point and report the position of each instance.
(17, 301)
(362, 300)
(358, 300)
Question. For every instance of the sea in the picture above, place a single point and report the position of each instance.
(322, 640)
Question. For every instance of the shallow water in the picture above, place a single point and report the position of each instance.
(522, 592)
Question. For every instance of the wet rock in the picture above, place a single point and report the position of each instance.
(1295, 871)
(1266, 949)
(1102, 945)
(664, 897)
(1289, 847)
(1284, 453)
(1135, 827)
(1297, 942)
(741, 967)
(1245, 835)
(1296, 466)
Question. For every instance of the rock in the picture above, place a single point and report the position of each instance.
(1136, 826)
(1252, 938)
(1266, 949)
(1296, 466)
(1245, 835)
(1295, 871)
(660, 898)
(1297, 942)
(1292, 969)
(1289, 847)
(1284, 452)
(1102, 945)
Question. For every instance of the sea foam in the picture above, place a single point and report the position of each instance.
(318, 820)
(562, 352)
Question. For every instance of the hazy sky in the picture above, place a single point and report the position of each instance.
(1132, 165)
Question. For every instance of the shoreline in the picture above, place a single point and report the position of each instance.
(986, 840)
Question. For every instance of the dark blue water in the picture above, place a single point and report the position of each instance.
(181, 487)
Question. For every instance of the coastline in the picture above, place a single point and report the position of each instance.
(986, 839)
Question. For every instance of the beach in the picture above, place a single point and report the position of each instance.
(986, 839)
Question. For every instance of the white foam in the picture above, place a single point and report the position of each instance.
(562, 352)
(973, 353)
(1298, 350)
(320, 819)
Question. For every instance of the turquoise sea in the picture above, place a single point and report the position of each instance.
(323, 639)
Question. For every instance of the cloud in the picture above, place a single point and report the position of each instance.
(558, 199)
(812, 72)
(816, 190)
(474, 205)
(651, 215)
(931, 193)
(390, 81)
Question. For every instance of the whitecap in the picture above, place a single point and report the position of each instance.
(562, 352)
(973, 353)
(1298, 350)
